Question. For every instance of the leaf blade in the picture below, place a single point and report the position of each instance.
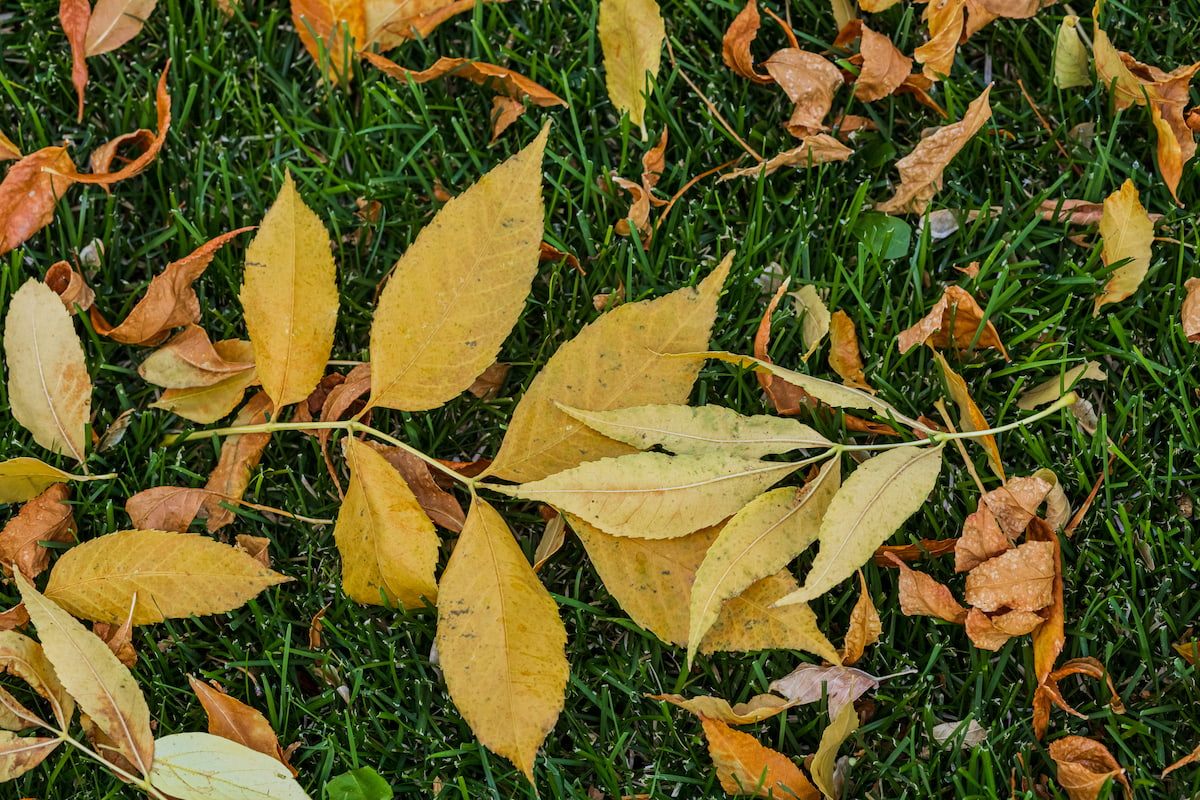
(201, 766)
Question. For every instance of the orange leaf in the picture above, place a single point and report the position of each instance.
(921, 595)
(844, 356)
(29, 193)
(735, 46)
(8, 150)
(332, 25)
(232, 719)
(820, 148)
(654, 163)
(865, 625)
(1084, 766)
(392, 22)
(1190, 758)
(810, 81)
(925, 548)
(505, 80)
(74, 16)
(1050, 636)
(165, 508)
(746, 767)
(884, 67)
(45, 518)
(982, 539)
(1015, 504)
(953, 322)
(239, 456)
(70, 286)
(1019, 579)
(1188, 651)
(990, 633)
(946, 19)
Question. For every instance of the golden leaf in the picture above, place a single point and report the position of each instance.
(232, 719)
(756, 709)
(751, 621)
(815, 318)
(945, 19)
(25, 478)
(746, 767)
(337, 26)
(844, 356)
(822, 769)
(1127, 232)
(631, 36)
(29, 194)
(970, 418)
(24, 658)
(865, 625)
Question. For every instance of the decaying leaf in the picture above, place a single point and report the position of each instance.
(815, 318)
(982, 539)
(201, 766)
(8, 150)
(19, 754)
(70, 286)
(967, 735)
(844, 357)
(1020, 579)
(746, 767)
(884, 67)
(1084, 766)
(654, 163)
(1191, 310)
(955, 321)
(1127, 232)
(631, 36)
(921, 595)
(945, 19)
(45, 518)
(115, 22)
(1054, 388)
(841, 686)
(1071, 58)
(735, 46)
(29, 193)
(24, 658)
(190, 360)
(865, 625)
(1190, 758)
(756, 709)
(232, 719)
(148, 142)
(844, 723)
(74, 16)
(240, 454)
(810, 81)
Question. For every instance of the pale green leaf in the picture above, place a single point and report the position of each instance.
(200, 766)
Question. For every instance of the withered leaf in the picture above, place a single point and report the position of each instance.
(45, 518)
(150, 143)
(1191, 310)
(981, 539)
(74, 16)
(190, 360)
(815, 318)
(967, 734)
(205, 404)
(818, 148)
(240, 454)
(970, 418)
(1084, 766)
(865, 625)
(884, 67)
(631, 36)
(115, 22)
(1071, 58)
(954, 321)
(756, 709)
(1054, 388)
(506, 81)
(810, 81)
(1020, 579)
(232, 719)
(165, 508)
(746, 767)
(392, 22)
(19, 754)
(841, 686)
(440, 505)
(29, 193)
(735, 46)
(1015, 504)
(70, 286)
(1127, 232)
(8, 150)
(844, 357)
(991, 632)
(945, 19)
(654, 163)
(823, 767)
(24, 658)
(1190, 758)
(921, 595)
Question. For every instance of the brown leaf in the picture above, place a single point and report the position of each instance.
(925, 548)
(991, 633)
(505, 111)
(1015, 504)
(440, 505)
(810, 81)
(46, 518)
(735, 46)
(69, 285)
(505, 81)
(74, 16)
(190, 360)
(549, 252)
(820, 148)
(921, 595)
(1191, 310)
(232, 719)
(921, 170)
(654, 162)
(1020, 579)
(29, 193)
(808, 683)
(1092, 668)
(257, 547)
(1050, 636)
(239, 456)
(149, 143)
(165, 508)
(1084, 766)
(487, 386)
(844, 356)
(945, 19)
(115, 22)
(884, 67)
(981, 539)
(953, 322)
(119, 638)
(15, 617)
(1190, 758)
(756, 709)
(169, 302)
(746, 767)
(865, 625)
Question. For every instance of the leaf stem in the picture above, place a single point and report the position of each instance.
(355, 425)
(140, 781)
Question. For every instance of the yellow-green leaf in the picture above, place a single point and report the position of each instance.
(871, 505)
(814, 319)
(1050, 390)
(201, 766)
(388, 545)
(25, 478)
(832, 737)
(631, 36)
(102, 686)
(1127, 231)
(290, 298)
(171, 574)
(500, 640)
(760, 540)
(615, 362)
(459, 288)
(703, 429)
(1071, 57)
(48, 385)
(751, 621)
(654, 495)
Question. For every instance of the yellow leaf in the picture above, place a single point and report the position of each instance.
(458, 290)
(970, 418)
(1114, 73)
(115, 22)
(290, 298)
(388, 545)
(19, 754)
(102, 686)
(945, 20)
(815, 318)
(844, 356)
(48, 384)
(206, 404)
(746, 767)
(1127, 231)
(25, 658)
(1050, 390)
(832, 737)
(615, 362)
(756, 709)
(654, 495)
(704, 429)
(170, 574)
(1071, 56)
(751, 621)
(25, 478)
(201, 766)
(500, 640)
(760, 540)
(871, 505)
(190, 359)
(631, 36)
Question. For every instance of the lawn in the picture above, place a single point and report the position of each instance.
(250, 105)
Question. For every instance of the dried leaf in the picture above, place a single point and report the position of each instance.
(554, 535)
(969, 734)
(631, 36)
(841, 686)
(500, 641)
(1191, 310)
(150, 143)
(257, 547)
(74, 16)
(1054, 388)
(810, 81)
(970, 418)
(24, 658)
(29, 193)
(200, 766)
(884, 67)
(756, 709)
(981, 540)
(506, 111)
(921, 595)
(190, 360)
(1190, 758)
(19, 754)
(487, 386)
(1084, 766)
(923, 548)
(1015, 504)
(1071, 58)
(240, 454)
(751, 622)
(745, 767)
(945, 19)
(503, 80)
(654, 163)
(115, 22)
(432, 338)
(49, 389)
(954, 322)
(735, 46)
(390, 23)
(119, 639)
(337, 27)
(865, 625)
(844, 357)
(46, 518)
(1020, 579)
(25, 478)
(815, 318)
(1127, 232)
(1050, 636)
(170, 575)
(8, 150)
(844, 723)
(70, 286)
(921, 170)
(232, 719)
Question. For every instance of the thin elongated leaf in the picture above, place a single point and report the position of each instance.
(653, 495)
(1054, 388)
(631, 36)
(500, 640)
(970, 418)
(756, 709)
(871, 505)
(1127, 231)
(457, 291)
(746, 767)
(822, 769)
(232, 719)
(240, 454)
(48, 384)
(115, 22)
(171, 575)
(290, 298)
(25, 478)
(19, 754)
(201, 766)
(74, 16)
(101, 685)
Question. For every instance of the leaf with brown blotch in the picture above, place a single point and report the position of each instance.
(232, 719)
(756, 709)
(760, 539)
(844, 357)
(8, 150)
(945, 20)
(70, 286)
(982, 539)
(1191, 310)
(165, 508)
(654, 163)
(150, 143)
(25, 478)
(954, 322)
(1071, 58)
(1084, 766)
(746, 767)
(871, 505)
(101, 685)
(74, 16)
(45, 518)
(500, 640)
(205, 404)
(654, 495)
(810, 81)
(240, 454)
(190, 360)
(24, 658)
(19, 754)
(169, 302)
(751, 622)
(701, 429)
(1020, 579)
(29, 194)
(921, 595)
(970, 418)
(49, 389)
(337, 27)
(823, 764)
(1127, 232)
(115, 22)
(884, 67)
(819, 148)
(841, 686)
(865, 626)
(921, 170)
(441, 506)
(735, 46)
(432, 338)
(1190, 758)
(815, 318)
(618, 361)
(631, 37)
(388, 546)
(503, 80)
(1054, 388)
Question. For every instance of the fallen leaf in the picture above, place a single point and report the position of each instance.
(74, 16)
(1054, 388)
(390, 23)
(945, 19)
(1020, 579)
(19, 754)
(505, 111)
(815, 318)
(49, 389)
(752, 621)
(756, 709)
(923, 548)
(1071, 58)
(844, 357)
(150, 143)
(509, 83)
(921, 595)
(440, 505)
(735, 46)
(1127, 232)
(969, 734)
(45, 518)
(232, 719)
(200, 766)
(1084, 766)
(992, 632)
(119, 639)
(1190, 758)
(955, 321)
(1189, 651)
(810, 81)
(500, 641)
(982, 539)
(24, 658)
(884, 67)
(8, 150)
(653, 165)
(1015, 504)
(865, 626)
(921, 170)
(335, 29)
(70, 286)
(970, 418)
(257, 547)
(554, 535)
(25, 478)
(489, 383)
(240, 454)
(29, 193)
(1191, 310)
(631, 37)
(844, 723)
(115, 22)
(1092, 668)
(483, 247)
(746, 767)
(1050, 636)
(206, 404)
(190, 360)
(840, 686)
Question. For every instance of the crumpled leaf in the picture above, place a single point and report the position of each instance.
(844, 357)
(45, 518)
(1127, 232)
(819, 148)
(841, 686)
(1190, 758)
(921, 595)
(756, 709)
(1071, 58)
(815, 318)
(631, 37)
(201, 766)
(74, 16)
(115, 22)
(865, 626)
(992, 632)
(150, 143)
(240, 454)
(953, 322)
(1020, 579)
(1054, 388)
(190, 360)
(1015, 504)
(982, 539)
(232, 719)
(30, 192)
(1191, 310)
(1084, 766)
(70, 286)
(884, 67)
(945, 19)
(810, 81)
(735, 46)
(746, 767)
(654, 163)
(967, 735)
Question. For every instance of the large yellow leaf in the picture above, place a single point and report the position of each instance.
(25, 478)
(751, 621)
(290, 298)
(760, 540)
(615, 362)
(500, 640)
(388, 545)
(48, 384)
(458, 290)
(654, 495)
(102, 686)
(201, 766)
(171, 574)
(1127, 231)
(115, 22)
(631, 36)
(872, 503)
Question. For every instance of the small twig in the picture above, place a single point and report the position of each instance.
(712, 109)
(787, 29)
(1078, 170)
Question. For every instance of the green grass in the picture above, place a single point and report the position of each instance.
(250, 104)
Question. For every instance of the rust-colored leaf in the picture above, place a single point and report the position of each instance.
(45, 518)
(820, 148)
(921, 595)
(29, 193)
(232, 719)
(337, 27)
(1084, 766)
(150, 143)
(1127, 231)
(504, 80)
(954, 322)
(165, 508)
(654, 162)
(74, 16)
(844, 357)
(884, 67)
(746, 767)
(810, 81)
(1190, 758)
(239, 456)
(70, 286)
(1020, 579)
(865, 625)
(981, 539)
(735, 46)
